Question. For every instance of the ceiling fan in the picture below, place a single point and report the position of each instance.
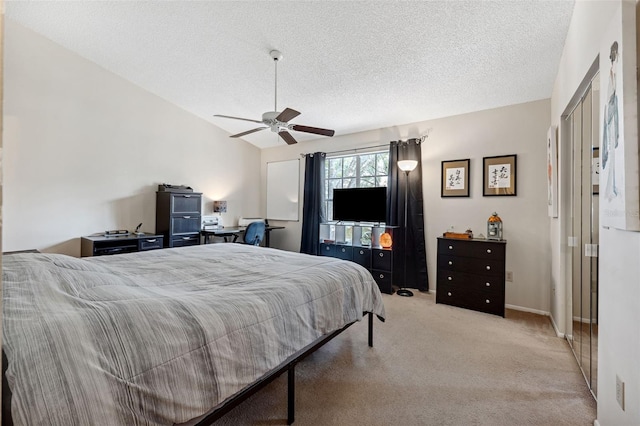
(278, 121)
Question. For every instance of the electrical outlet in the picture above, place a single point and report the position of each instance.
(509, 276)
(620, 392)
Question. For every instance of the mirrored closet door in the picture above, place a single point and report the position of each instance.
(583, 126)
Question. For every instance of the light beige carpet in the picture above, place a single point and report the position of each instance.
(433, 365)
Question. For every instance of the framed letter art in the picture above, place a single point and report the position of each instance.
(499, 175)
(455, 178)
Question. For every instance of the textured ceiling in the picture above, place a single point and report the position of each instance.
(348, 65)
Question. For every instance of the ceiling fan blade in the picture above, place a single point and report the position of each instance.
(287, 115)
(238, 118)
(287, 137)
(248, 131)
(314, 130)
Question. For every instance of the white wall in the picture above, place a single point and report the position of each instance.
(517, 129)
(86, 149)
(619, 269)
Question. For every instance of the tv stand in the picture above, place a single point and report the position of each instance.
(360, 243)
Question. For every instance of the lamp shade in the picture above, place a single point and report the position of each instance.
(407, 165)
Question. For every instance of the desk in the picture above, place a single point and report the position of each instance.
(235, 232)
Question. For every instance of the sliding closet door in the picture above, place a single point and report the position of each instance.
(594, 159)
(577, 335)
(583, 123)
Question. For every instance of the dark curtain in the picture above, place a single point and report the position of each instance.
(313, 208)
(415, 253)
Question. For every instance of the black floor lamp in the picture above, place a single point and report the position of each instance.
(406, 166)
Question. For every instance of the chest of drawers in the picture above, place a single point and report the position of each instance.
(178, 217)
(471, 274)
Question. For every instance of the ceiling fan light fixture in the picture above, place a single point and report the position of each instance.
(278, 121)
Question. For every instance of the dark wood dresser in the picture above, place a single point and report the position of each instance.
(471, 274)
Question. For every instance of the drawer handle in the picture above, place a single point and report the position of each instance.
(488, 268)
(449, 293)
(381, 255)
(450, 247)
(152, 240)
(381, 275)
(187, 196)
(186, 238)
(344, 250)
(488, 284)
(186, 217)
(489, 251)
(450, 263)
(361, 251)
(327, 248)
(487, 301)
(449, 278)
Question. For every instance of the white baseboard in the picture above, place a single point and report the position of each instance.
(523, 309)
(555, 327)
(539, 312)
(585, 320)
(596, 422)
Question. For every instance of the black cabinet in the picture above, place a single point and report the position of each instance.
(360, 244)
(471, 274)
(382, 268)
(178, 217)
(362, 256)
(117, 244)
(344, 252)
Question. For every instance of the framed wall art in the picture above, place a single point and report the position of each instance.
(455, 178)
(499, 175)
(620, 189)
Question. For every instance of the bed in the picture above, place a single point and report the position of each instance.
(166, 336)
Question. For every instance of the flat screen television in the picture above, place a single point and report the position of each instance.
(360, 204)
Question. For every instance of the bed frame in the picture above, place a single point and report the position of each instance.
(289, 366)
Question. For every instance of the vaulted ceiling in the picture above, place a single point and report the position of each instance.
(347, 65)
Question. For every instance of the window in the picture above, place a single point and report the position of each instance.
(354, 171)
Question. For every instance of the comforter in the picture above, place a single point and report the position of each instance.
(162, 337)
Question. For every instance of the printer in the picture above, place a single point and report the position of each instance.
(209, 223)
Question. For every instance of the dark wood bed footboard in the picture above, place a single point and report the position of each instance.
(288, 366)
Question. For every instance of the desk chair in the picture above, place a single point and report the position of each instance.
(254, 233)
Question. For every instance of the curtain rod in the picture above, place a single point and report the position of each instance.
(350, 150)
(421, 139)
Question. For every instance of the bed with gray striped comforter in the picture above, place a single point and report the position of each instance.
(161, 337)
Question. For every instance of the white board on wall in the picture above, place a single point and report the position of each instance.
(283, 180)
